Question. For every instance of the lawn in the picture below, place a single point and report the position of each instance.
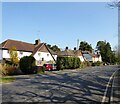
(7, 79)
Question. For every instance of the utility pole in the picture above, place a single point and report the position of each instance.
(119, 29)
(77, 44)
(114, 5)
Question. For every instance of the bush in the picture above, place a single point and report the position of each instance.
(7, 69)
(27, 65)
(40, 69)
(2, 71)
(98, 63)
(67, 62)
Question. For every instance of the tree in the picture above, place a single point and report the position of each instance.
(14, 55)
(106, 51)
(55, 48)
(84, 46)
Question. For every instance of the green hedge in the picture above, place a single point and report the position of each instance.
(27, 65)
(98, 63)
(67, 62)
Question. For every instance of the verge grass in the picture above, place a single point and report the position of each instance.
(7, 79)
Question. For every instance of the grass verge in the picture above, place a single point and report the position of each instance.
(7, 79)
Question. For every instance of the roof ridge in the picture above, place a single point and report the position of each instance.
(6, 42)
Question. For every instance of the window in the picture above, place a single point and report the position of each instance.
(39, 54)
(21, 52)
(7, 51)
(42, 59)
(47, 54)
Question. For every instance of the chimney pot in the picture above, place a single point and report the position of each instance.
(75, 48)
(37, 41)
(66, 48)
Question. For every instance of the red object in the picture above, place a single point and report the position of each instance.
(48, 66)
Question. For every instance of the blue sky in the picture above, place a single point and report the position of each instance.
(60, 23)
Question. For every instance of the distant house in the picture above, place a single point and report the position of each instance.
(72, 53)
(91, 57)
(78, 53)
(39, 50)
(67, 52)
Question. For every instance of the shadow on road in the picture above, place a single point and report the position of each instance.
(59, 88)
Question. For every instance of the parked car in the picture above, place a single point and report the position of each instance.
(49, 66)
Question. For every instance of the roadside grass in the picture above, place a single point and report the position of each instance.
(7, 79)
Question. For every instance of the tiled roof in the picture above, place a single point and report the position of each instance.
(78, 53)
(36, 48)
(66, 52)
(22, 46)
(87, 52)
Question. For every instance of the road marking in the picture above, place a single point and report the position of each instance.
(105, 93)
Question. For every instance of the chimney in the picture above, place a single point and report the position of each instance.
(37, 41)
(66, 48)
(75, 48)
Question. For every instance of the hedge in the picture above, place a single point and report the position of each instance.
(64, 62)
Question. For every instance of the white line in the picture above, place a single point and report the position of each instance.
(111, 98)
(105, 93)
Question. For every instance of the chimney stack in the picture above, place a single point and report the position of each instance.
(75, 48)
(66, 48)
(37, 41)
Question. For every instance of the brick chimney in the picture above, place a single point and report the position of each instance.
(66, 48)
(75, 48)
(37, 42)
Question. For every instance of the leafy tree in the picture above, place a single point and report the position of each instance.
(106, 51)
(55, 48)
(14, 55)
(84, 46)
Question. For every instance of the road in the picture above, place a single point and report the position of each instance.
(86, 86)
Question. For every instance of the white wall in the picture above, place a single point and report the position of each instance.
(46, 55)
(24, 54)
(6, 54)
(1, 54)
(55, 57)
(97, 59)
(81, 58)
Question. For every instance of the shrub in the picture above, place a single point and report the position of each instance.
(40, 69)
(67, 62)
(2, 71)
(14, 55)
(27, 65)
(7, 69)
(98, 63)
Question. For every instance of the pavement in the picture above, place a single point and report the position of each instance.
(86, 86)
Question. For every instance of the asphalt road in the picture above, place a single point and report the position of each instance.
(92, 85)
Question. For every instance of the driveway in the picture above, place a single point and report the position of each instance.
(68, 86)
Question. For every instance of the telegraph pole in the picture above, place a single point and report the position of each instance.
(77, 44)
(119, 29)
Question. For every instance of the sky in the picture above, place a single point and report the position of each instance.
(60, 23)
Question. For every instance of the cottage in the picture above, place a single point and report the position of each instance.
(39, 50)
(91, 57)
(72, 53)
(78, 53)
